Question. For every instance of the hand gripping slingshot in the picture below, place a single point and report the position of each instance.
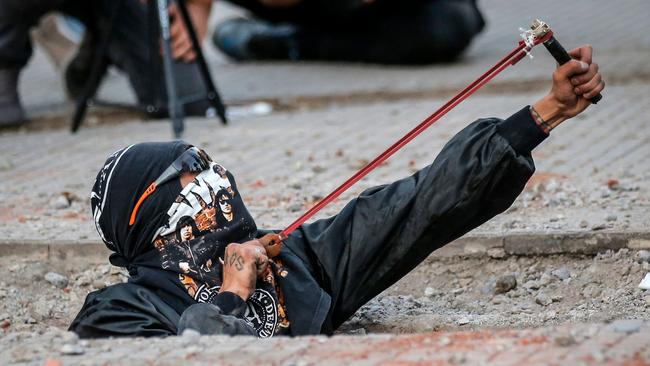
(539, 32)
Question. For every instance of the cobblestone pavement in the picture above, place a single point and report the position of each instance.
(592, 172)
(620, 343)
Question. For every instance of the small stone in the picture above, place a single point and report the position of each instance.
(643, 256)
(72, 349)
(99, 284)
(598, 227)
(463, 321)
(30, 320)
(56, 279)
(429, 292)
(60, 202)
(505, 284)
(611, 218)
(358, 331)
(70, 337)
(584, 224)
(627, 325)
(191, 335)
(543, 299)
(561, 273)
(645, 282)
(545, 279)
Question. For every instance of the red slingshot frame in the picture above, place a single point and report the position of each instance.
(512, 58)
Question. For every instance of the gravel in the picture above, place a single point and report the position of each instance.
(440, 294)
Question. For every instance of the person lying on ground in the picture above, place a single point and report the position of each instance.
(178, 223)
(376, 31)
(133, 47)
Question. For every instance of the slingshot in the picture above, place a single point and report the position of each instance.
(539, 32)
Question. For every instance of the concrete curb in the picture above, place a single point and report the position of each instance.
(495, 246)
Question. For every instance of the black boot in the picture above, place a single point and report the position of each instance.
(12, 113)
(248, 39)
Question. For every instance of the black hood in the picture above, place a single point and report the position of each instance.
(125, 176)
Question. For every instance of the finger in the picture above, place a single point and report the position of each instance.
(569, 69)
(180, 37)
(176, 29)
(583, 53)
(182, 49)
(584, 78)
(172, 9)
(588, 86)
(255, 243)
(189, 56)
(592, 93)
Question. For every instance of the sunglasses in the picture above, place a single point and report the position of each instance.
(193, 160)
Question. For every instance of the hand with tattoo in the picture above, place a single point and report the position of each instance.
(242, 265)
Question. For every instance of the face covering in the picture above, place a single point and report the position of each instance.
(178, 240)
(205, 217)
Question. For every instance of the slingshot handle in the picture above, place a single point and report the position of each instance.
(562, 56)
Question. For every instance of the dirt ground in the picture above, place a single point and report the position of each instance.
(441, 294)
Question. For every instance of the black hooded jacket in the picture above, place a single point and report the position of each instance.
(331, 267)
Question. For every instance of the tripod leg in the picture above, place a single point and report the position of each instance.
(213, 94)
(97, 70)
(174, 106)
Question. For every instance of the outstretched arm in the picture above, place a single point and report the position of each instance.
(388, 230)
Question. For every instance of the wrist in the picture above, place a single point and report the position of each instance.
(547, 112)
(237, 290)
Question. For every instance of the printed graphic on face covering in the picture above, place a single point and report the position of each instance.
(207, 215)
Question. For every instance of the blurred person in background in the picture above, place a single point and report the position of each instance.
(375, 31)
(133, 45)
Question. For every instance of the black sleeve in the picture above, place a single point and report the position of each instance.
(386, 231)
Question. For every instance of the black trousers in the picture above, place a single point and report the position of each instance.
(385, 31)
(134, 41)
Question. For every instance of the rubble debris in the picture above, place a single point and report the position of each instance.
(504, 284)
(56, 279)
(643, 256)
(645, 283)
(543, 299)
(561, 273)
(60, 202)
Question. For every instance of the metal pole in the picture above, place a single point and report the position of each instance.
(173, 104)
